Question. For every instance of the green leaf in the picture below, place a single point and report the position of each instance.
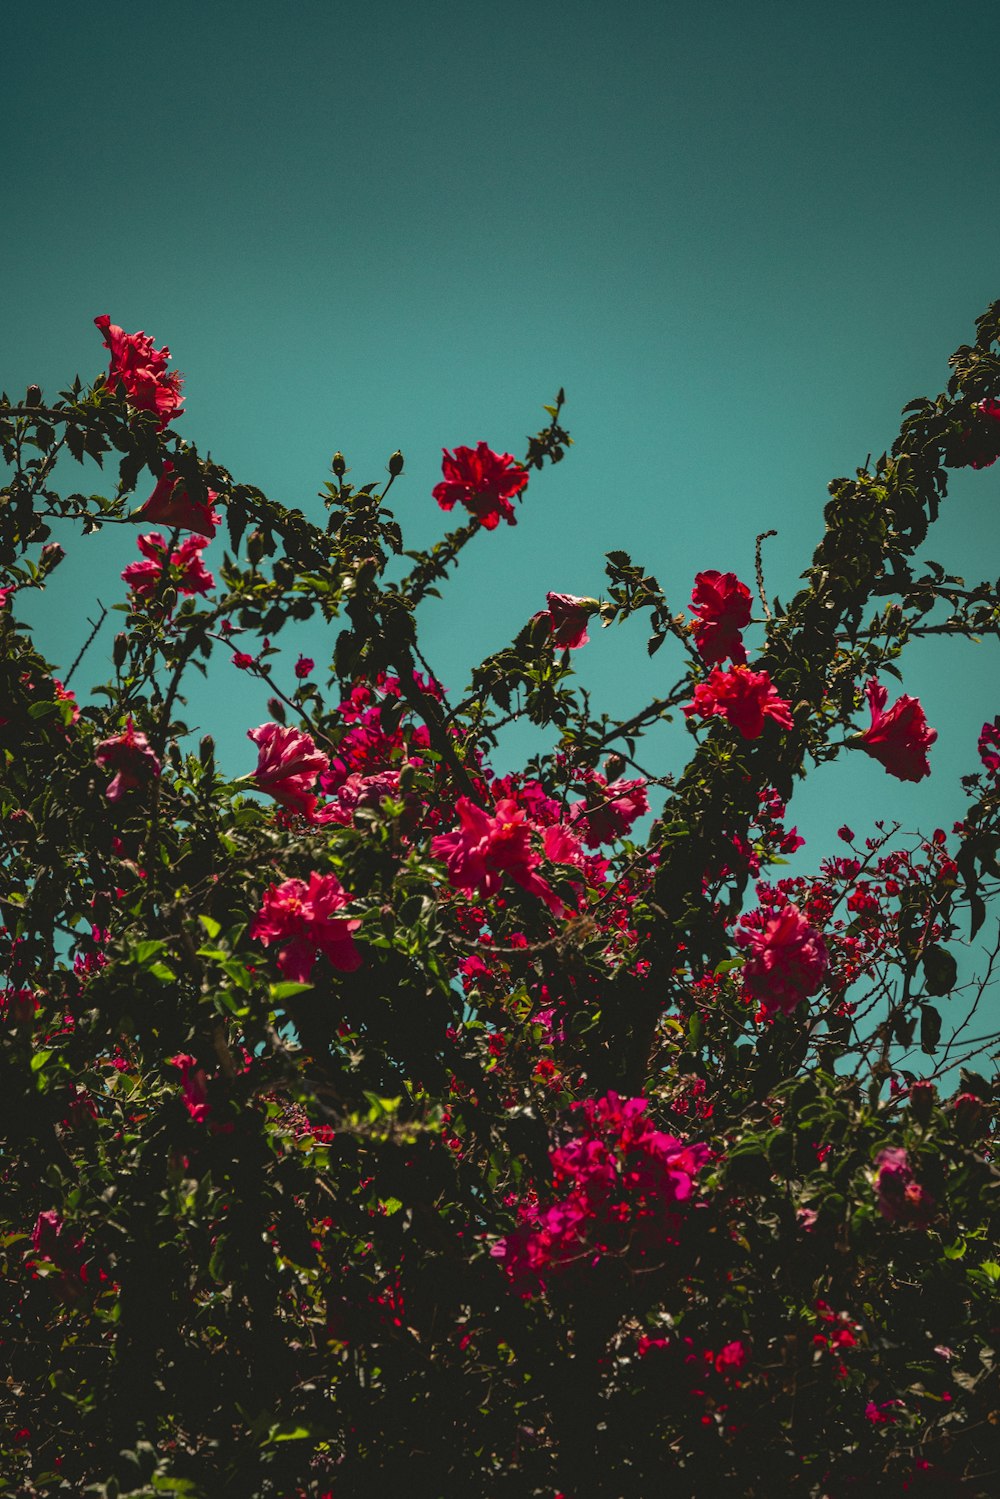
(212, 927)
(286, 990)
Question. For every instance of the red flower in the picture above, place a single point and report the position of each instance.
(901, 1199)
(192, 576)
(304, 667)
(130, 756)
(485, 848)
(611, 810)
(980, 446)
(288, 763)
(899, 739)
(989, 746)
(744, 698)
(193, 1086)
(302, 919)
(722, 604)
(568, 617)
(485, 482)
(142, 371)
(786, 962)
(171, 505)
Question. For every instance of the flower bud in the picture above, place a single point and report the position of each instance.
(396, 463)
(922, 1098)
(338, 465)
(52, 555)
(206, 750)
(120, 649)
(33, 396)
(614, 765)
(255, 547)
(969, 1116)
(276, 708)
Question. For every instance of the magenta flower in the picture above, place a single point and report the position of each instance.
(899, 739)
(786, 963)
(288, 763)
(610, 811)
(302, 921)
(568, 618)
(901, 1199)
(191, 576)
(130, 756)
(141, 370)
(722, 604)
(171, 505)
(483, 481)
(484, 848)
(193, 1086)
(743, 698)
(304, 667)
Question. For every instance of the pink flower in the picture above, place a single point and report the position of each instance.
(485, 482)
(610, 811)
(129, 755)
(989, 746)
(65, 695)
(144, 578)
(786, 962)
(980, 447)
(194, 1087)
(304, 667)
(731, 1356)
(302, 918)
(288, 763)
(54, 1240)
(5, 594)
(485, 848)
(171, 505)
(142, 371)
(242, 660)
(901, 1199)
(568, 617)
(722, 604)
(744, 698)
(899, 739)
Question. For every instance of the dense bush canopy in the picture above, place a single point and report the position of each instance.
(374, 1118)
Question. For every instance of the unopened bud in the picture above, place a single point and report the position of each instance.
(52, 555)
(276, 708)
(33, 396)
(614, 765)
(339, 465)
(255, 546)
(206, 750)
(120, 648)
(396, 463)
(922, 1097)
(970, 1115)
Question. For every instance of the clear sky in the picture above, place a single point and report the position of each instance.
(740, 235)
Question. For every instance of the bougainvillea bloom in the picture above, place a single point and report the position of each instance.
(901, 1199)
(989, 746)
(610, 811)
(171, 505)
(743, 698)
(899, 739)
(132, 759)
(288, 763)
(483, 481)
(485, 848)
(193, 1086)
(304, 667)
(568, 617)
(191, 575)
(786, 963)
(302, 921)
(142, 370)
(722, 604)
(619, 1184)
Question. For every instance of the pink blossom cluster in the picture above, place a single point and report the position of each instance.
(131, 757)
(900, 1197)
(620, 1186)
(303, 921)
(183, 569)
(486, 846)
(786, 960)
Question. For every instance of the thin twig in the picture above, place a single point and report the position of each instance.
(87, 643)
(759, 567)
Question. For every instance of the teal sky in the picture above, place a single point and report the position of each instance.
(741, 236)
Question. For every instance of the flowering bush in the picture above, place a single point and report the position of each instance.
(383, 1116)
